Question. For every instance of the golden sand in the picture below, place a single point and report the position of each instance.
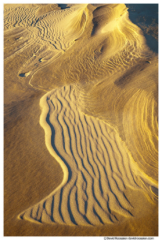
(81, 122)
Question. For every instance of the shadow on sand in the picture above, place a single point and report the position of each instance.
(63, 6)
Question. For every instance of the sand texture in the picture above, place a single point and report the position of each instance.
(81, 119)
(96, 165)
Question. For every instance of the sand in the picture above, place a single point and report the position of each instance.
(81, 120)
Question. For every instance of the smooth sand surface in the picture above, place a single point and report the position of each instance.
(81, 120)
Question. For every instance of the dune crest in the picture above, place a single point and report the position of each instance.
(96, 164)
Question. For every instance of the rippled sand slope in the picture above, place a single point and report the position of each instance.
(96, 164)
(97, 80)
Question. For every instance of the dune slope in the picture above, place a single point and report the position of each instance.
(96, 164)
(100, 110)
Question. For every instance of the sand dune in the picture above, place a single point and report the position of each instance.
(50, 34)
(99, 113)
(96, 55)
(96, 164)
(133, 112)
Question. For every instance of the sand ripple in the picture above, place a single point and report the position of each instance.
(48, 35)
(100, 121)
(96, 164)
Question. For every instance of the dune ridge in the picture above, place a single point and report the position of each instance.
(100, 112)
(104, 50)
(96, 164)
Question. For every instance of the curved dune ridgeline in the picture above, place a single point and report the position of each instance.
(100, 110)
(98, 52)
(96, 164)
